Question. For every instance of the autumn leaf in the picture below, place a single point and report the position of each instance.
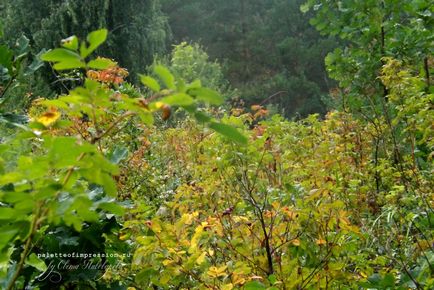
(321, 242)
(48, 118)
(215, 272)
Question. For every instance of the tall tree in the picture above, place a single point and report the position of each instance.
(138, 29)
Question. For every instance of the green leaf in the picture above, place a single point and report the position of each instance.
(181, 86)
(95, 39)
(118, 154)
(35, 262)
(10, 177)
(112, 207)
(70, 42)
(207, 95)
(375, 279)
(388, 280)
(24, 206)
(180, 99)
(229, 131)
(63, 151)
(63, 58)
(36, 64)
(194, 85)
(150, 83)
(146, 274)
(70, 64)
(305, 7)
(272, 278)
(82, 206)
(14, 197)
(100, 63)
(254, 285)
(60, 54)
(23, 47)
(6, 57)
(166, 76)
(13, 118)
(146, 117)
(109, 185)
(8, 232)
(202, 117)
(7, 213)
(54, 103)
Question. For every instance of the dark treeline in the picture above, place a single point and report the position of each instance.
(269, 52)
(138, 29)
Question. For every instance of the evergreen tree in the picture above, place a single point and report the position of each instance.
(138, 29)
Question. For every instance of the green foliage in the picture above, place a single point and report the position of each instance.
(412, 103)
(17, 67)
(56, 173)
(70, 58)
(190, 61)
(373, 30)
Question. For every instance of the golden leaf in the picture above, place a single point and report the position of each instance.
(215, 272)
(201, 258)
(229, 286)
(48, 118)
(321, 242)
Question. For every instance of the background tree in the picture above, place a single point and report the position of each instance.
(271, 52)
(190, 62)
(137, 28)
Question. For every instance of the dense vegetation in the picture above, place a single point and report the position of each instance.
(183, 177)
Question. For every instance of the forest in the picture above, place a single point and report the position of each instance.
(215, 144)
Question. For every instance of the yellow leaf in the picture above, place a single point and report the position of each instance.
(123, 237)
(155, 227)
(159, 105)
(201, 258)
(296, 242)
(241, 268)
(211, 252)
(240, 219)
(197, 234)
(321, 242)
(222, 268)
(275, 205)
(48, 118)
(229, 286)
(215, 272)
(238, 279)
